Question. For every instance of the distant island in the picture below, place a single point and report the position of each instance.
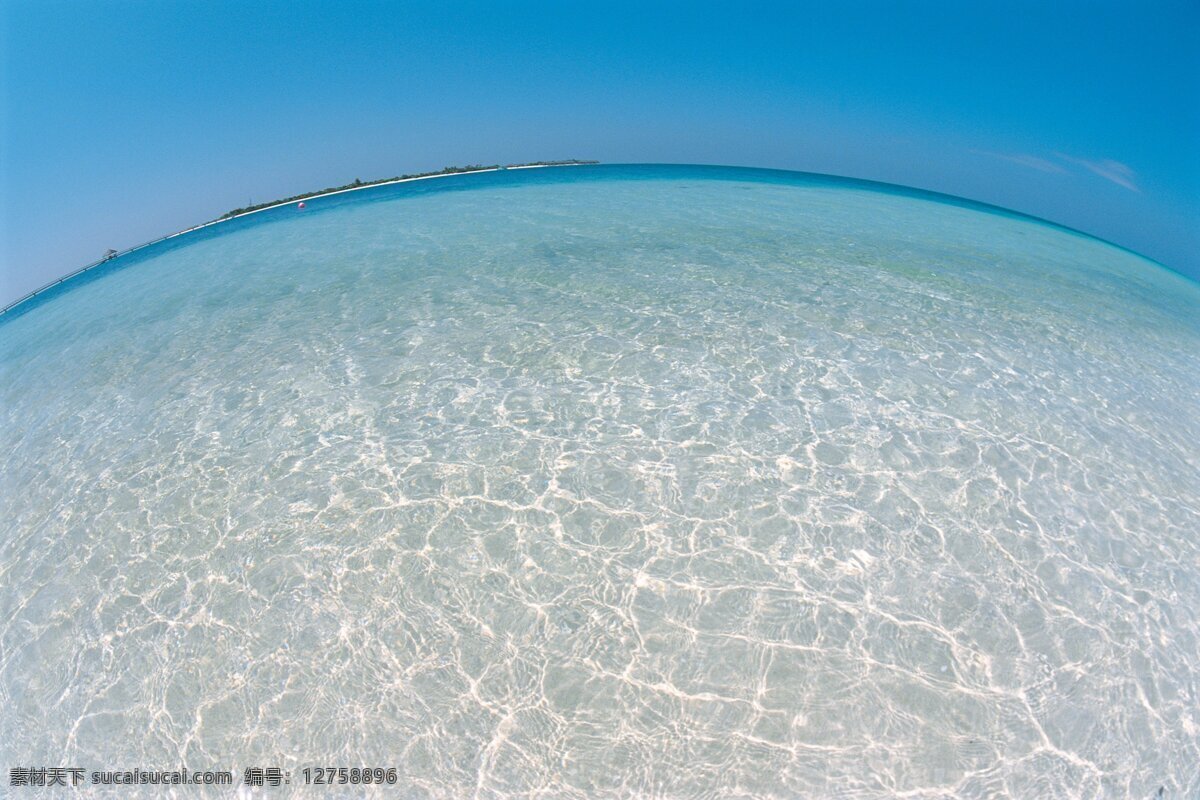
(357, 184)
(111, 254)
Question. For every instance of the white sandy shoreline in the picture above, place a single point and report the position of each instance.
(219, 220)
(351, 189)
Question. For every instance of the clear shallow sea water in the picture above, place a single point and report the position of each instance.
(611, 482)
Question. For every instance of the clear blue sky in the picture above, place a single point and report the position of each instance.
(122, 121)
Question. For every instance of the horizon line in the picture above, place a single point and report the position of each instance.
(917, 191)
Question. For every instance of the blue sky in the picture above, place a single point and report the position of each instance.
(122, 121)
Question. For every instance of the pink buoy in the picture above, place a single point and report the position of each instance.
(301, 204)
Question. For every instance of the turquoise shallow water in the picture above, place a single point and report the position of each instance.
(609, 482)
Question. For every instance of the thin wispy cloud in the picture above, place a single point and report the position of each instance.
(1116, 172)
(1027, 160)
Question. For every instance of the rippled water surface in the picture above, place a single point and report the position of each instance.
(611, 482)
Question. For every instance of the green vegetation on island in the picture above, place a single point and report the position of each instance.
(358, 184)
